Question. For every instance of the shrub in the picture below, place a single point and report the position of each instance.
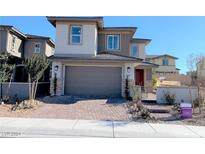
(154, 82)
(198, 102)
(176, 108)
(138, 110)
(170, 98)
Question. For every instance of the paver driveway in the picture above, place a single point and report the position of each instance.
(75, 108)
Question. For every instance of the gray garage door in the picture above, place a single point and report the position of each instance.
(93, 81)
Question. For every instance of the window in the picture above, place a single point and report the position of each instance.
(113, 42)
(37, 48)
(134, 51)
(165, 62)
(75, 34)
(13, 42)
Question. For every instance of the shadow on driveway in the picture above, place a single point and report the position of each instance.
(74, 99)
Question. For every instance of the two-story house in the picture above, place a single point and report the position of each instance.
(166, 64)
(93, 60)
(20, 46)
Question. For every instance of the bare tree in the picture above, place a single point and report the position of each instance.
(196, 79)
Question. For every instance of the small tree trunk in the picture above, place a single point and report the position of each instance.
(29, 85)
(35, 89)
(199, 97)
(32, 90)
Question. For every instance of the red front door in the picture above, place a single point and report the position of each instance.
(139, 77)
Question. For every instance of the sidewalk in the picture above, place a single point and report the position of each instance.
(29, 127)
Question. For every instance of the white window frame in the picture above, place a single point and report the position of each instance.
(35, 49)
(71, 35)
(134, 45)
(118, 43)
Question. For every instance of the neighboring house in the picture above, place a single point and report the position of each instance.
(93, 60)
(20, 46)
(167, 64)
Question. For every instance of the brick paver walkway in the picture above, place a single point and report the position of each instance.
(90, 109)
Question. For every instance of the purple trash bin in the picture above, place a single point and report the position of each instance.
(186, 110)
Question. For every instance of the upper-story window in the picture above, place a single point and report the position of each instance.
(37, 48)
(13, 42)
(165, 62)
(134, 51)
(113, 42)
(75, 35)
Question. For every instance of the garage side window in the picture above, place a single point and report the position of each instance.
(75, 35)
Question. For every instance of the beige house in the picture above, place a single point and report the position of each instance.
(201, 68)
(167, 64)
(21, 46)
(93, 60)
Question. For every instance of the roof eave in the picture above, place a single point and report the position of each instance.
(98, 20)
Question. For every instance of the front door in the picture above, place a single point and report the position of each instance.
(139, 77)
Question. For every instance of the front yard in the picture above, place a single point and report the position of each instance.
(66, 107)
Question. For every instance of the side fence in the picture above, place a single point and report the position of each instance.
(21, 89)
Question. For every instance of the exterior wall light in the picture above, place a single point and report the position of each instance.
(128, 70)
(56, 68)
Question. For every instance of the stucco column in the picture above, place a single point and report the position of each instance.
(128, 73)
(56, 86)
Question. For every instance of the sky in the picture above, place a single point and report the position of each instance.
(177, 36)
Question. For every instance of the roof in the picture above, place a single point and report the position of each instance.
(98, 20)
(36, 36)
(14, 30)
(49, 40)
(141, 40)
(158, 56)
(100, 56)
(126, 29)
(149, 63)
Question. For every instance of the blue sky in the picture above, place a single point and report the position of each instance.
(178, 36)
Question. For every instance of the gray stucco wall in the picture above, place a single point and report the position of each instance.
(19, 89)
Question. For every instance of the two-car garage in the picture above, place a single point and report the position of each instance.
(94, 81)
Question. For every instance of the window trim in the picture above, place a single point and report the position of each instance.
(70, 37)
(107, 42)
(137, 50)
(35, 47)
